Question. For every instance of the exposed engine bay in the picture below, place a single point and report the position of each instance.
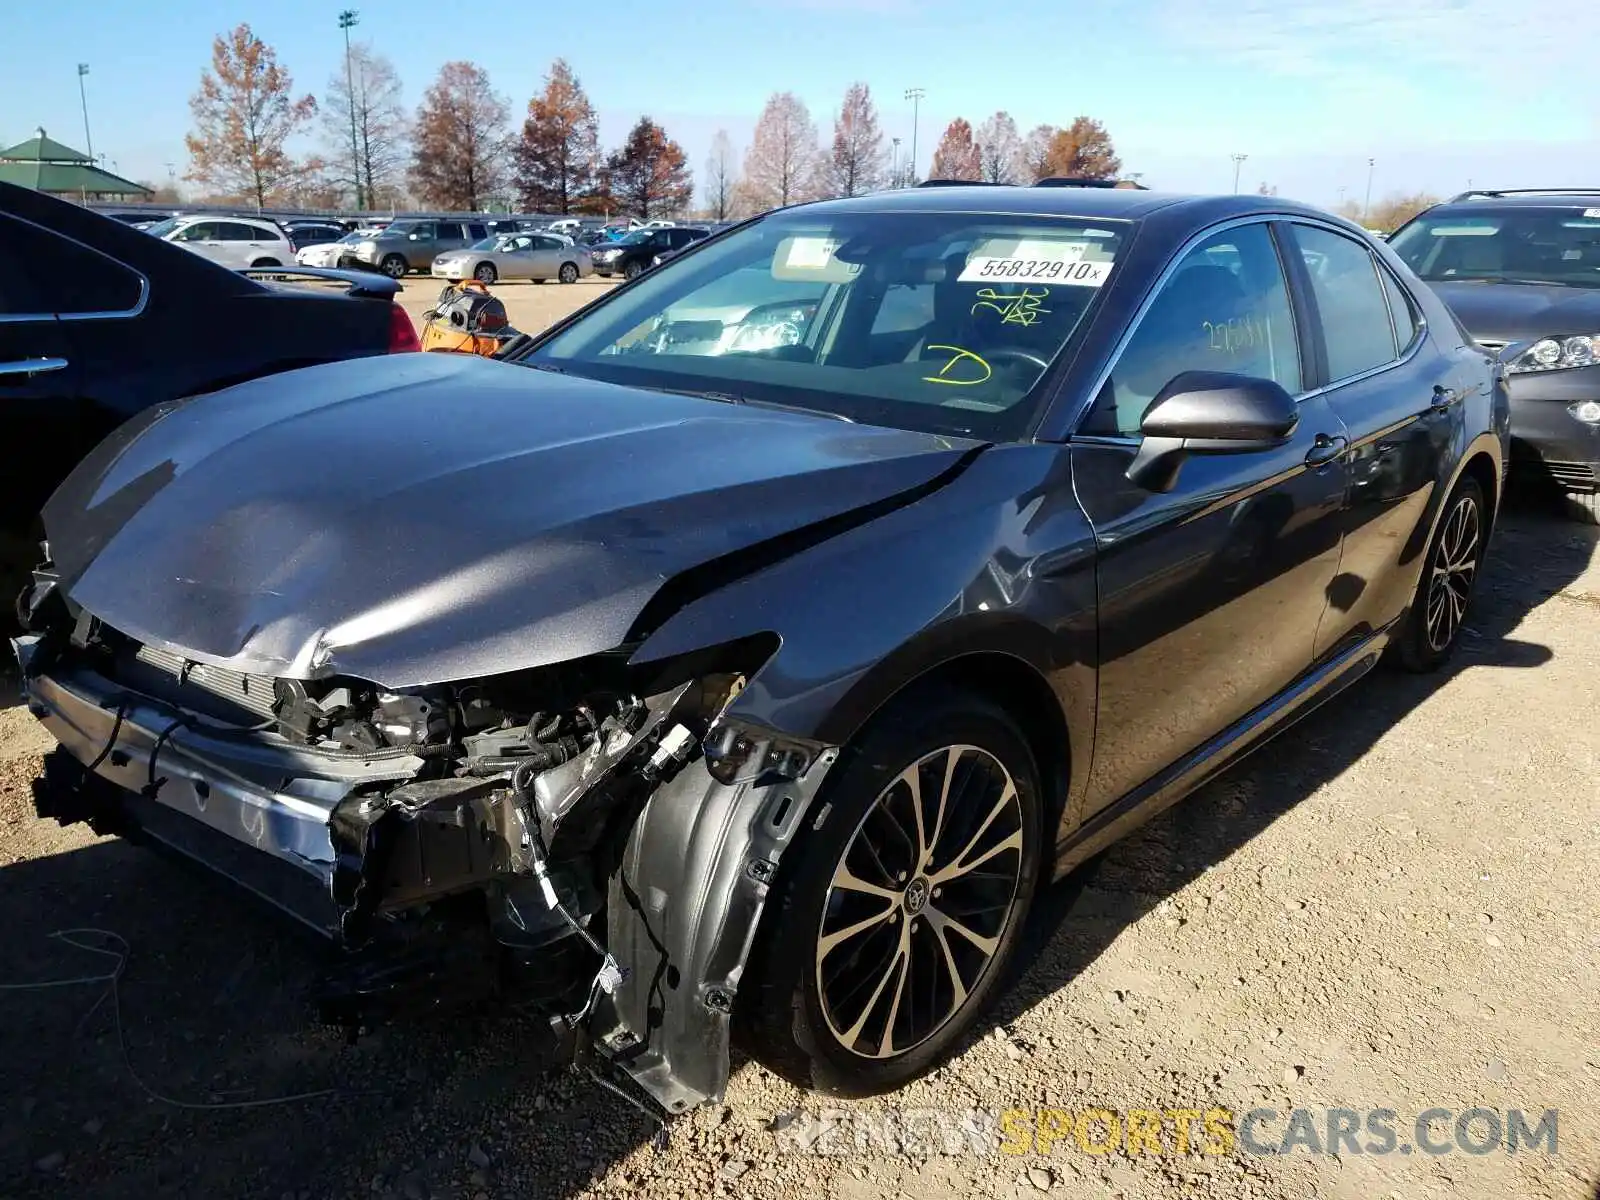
(462, 841)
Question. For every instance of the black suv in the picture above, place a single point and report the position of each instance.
(1521, 269)
(639, 250)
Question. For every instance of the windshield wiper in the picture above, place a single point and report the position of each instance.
(734, 398)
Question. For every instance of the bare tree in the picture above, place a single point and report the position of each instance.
(244, 113)
(858, 163)
(460, 156)
(560, 146)
(956, 156)
(1036, 152)
(999, 150)
(720, 177)
(782, 165)
(366, 99)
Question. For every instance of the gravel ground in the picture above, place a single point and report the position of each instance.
(1392, 907)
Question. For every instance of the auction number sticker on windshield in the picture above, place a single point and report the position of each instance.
(1035, 262)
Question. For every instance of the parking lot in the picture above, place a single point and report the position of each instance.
(1390, 907)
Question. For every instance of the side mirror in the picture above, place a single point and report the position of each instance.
(1209, 412)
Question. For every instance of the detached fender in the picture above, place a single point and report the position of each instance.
(998, 561)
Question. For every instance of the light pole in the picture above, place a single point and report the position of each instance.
(894, 169)
(83, 96)
(1238, 165)
(347, 19)
(1366, 207)
(916, 96)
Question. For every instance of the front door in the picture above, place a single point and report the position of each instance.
(1210, 594)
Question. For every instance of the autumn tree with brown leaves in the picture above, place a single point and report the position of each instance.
(720, 177)
(460, 140)
(1083, 150)
(244, 113)
(366, 98)
(560, 145)
(956, 156)
(650, 174)
(783, 163)
(999, 150)
(857, 163)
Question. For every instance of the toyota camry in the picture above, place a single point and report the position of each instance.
(739, 658)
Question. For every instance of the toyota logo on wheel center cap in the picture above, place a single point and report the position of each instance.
(916, 896)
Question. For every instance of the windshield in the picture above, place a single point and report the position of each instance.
(939, 322)
(1531, 245)
(634, 238)
(162, 228)
(495, 241)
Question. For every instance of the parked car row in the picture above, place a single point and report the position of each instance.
(742, 655)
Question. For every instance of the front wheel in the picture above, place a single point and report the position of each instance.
(890, 927)
(394, 266)
(486, 274)
(633, 270)
(266, 262)
(569, 273)
(1432, 628)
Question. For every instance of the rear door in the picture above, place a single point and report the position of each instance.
(1400, 396)
(1211, 593)
(450, 235)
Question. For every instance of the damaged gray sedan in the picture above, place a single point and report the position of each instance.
(742, 655)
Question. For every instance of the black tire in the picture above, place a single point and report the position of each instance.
(603, 274)
(485, 273)
(633, 270)
(266, 262)
(394, 266)
(785, 1008)
(1429, 633)
(568, 273)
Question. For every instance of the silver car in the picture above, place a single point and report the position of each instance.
(535, 256)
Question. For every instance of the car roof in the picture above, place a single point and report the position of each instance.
(1525, 198)
(1108, 203)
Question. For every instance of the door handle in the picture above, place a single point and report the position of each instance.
(1325, 449)
(1444, 397)
(32, 366)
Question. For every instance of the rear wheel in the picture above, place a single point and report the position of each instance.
(1432, 628)
(394, 266)
(890, 927)
(266, 262)
(485, 273)
(569, 273)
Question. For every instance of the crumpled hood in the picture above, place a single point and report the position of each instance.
(1515, 312)
(429, 517)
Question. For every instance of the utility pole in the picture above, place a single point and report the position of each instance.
(1366, 207)
(347, 19)
(83, 96)
(1238, 165)
(894, 170)
(916, 96)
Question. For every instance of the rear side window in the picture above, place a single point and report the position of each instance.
(448, 229)
(49, 274)
(1351, 301)
(235, 231)
(478, 232)
(1401, 311)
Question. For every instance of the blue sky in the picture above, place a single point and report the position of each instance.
(1439, 92)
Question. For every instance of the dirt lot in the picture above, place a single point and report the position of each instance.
(530, 306)
(1392, 907)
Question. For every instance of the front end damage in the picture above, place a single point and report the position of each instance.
(594, 839)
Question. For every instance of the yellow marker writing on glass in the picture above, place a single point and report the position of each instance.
(961, 378)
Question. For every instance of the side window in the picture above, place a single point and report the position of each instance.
(200, 231)
(1401, 311)
(477, 232)
(546, 243)
(905, 306)
(1351, 301)
(447, 230)
(234, 231)
(1225, 308)
(56, 275)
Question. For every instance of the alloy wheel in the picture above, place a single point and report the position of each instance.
(919, 901)
(569, 273)
(1454, 566)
